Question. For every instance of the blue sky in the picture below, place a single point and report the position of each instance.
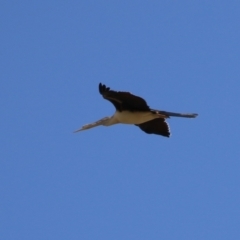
(118, 182)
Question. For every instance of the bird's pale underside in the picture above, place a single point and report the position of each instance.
(131, 109)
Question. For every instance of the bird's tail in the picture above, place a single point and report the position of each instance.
(172, 114)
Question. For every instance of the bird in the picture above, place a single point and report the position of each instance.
(132, 109)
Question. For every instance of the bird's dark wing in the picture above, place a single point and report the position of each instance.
(155, 126)
(123, 100)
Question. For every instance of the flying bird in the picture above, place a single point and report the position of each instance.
(131, 109)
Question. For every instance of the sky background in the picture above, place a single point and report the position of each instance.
(118, 182)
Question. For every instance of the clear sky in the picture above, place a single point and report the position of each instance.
(118, 182)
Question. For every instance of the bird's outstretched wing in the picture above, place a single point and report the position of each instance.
(156, 126)
(123, 100)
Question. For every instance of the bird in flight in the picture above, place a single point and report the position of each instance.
(131, 109)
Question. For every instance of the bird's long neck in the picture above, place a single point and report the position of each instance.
(110, 121)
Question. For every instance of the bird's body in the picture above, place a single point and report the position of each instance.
(131, 109)
(129, 117)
